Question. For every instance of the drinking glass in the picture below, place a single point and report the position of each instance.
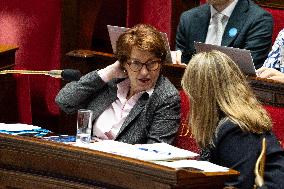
(84, 126)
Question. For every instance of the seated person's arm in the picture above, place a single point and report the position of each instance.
(270, 73)
(75, 95)
(273, 60)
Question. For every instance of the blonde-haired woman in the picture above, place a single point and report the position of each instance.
(228, 122)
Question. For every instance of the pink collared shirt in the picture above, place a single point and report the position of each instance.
(108, 124)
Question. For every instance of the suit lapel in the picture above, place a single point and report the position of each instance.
(104, 102)
(202, 23)
(138, 107)
(235, 23)
(105, 99)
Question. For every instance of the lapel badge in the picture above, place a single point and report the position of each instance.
(233, 32)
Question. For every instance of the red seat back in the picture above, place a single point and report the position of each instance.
(278, 17)
(277, 116)
(184, 138)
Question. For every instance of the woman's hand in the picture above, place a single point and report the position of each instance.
(270, 73)
(112, 71)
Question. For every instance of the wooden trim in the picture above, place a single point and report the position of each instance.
(277, 4)
(51, 162)
(10, 66)
(7, 48)
(267, 91)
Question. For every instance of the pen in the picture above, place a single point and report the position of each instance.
(156, 151)
(144, 149)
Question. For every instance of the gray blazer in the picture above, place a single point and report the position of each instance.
(152, 119)
(254, 30)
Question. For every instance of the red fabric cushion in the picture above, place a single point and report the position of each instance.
(278, 17)
(202, 2)
(277, 116)
(184, 138)
(157, 13)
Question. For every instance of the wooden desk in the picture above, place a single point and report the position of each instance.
(266, 90)
(87, 60)
(34, 163)
(8, 92)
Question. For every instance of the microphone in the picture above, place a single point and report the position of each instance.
(66, 74)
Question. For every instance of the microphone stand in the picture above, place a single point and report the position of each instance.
(52, 73)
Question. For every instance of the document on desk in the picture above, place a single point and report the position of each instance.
(17, 127)
(22, 129)
(147, 152)
(195, 164)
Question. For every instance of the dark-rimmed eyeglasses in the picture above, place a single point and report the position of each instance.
(151, 65)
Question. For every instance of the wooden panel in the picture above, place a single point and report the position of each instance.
(266, 90)
(47, 164)
(277, 4)
(8, 92)
(16, 179)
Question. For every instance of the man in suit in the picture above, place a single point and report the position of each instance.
(244, 25)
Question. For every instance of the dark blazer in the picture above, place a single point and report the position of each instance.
(239, 150)
(254, 30)
(152, 119)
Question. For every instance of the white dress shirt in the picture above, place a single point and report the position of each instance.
(211, 34)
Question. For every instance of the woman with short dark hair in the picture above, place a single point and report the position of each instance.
(130, 99)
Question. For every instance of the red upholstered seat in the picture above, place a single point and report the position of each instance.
(278, 17)
(184, 138)
(277, 113)
(277, 116)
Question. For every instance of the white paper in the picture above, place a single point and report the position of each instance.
(147, 152)
(17, 127)
(201, 165)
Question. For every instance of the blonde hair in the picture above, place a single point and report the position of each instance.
(217, 89)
